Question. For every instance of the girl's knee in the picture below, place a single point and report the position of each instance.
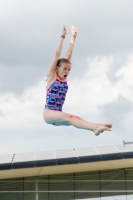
(71, 118)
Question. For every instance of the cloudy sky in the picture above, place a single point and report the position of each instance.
(100, 83)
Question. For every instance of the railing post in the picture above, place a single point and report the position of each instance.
(37, 198)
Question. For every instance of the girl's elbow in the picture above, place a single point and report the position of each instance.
(57, 54)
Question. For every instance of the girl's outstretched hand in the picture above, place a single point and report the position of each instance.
(64, 31)
(74, 32)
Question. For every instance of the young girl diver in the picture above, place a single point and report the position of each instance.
(57, 88)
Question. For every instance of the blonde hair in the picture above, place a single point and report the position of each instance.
(62, 60)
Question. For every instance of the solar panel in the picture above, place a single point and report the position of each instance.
(6, 158)
(106, 149)
(124, 148)
(86, 151)
(44, 155)
(67, 153)
(23, 157)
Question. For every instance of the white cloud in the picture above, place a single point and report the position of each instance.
(24, 110)
(125, 84)
(94, 89)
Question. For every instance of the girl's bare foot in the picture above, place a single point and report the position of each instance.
(107, 125)
(101, 128)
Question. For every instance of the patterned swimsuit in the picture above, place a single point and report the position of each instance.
(56, 95)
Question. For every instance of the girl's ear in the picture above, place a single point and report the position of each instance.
(57, 67)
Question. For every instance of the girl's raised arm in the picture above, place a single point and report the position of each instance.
(51, 70)
(71, 45)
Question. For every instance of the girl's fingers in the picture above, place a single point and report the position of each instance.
(64, 26)
(74, 29)
(64, 31)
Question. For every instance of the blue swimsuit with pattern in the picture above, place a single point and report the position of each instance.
(56, 95)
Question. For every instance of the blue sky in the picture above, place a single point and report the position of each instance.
(100, 83)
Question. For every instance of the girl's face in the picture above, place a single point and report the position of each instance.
(63, 70)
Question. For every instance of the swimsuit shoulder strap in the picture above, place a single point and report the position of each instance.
(47, 87)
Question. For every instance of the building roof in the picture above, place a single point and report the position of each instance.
(66, 161)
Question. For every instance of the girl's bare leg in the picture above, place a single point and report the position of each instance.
(59, 118)
(109, 125)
